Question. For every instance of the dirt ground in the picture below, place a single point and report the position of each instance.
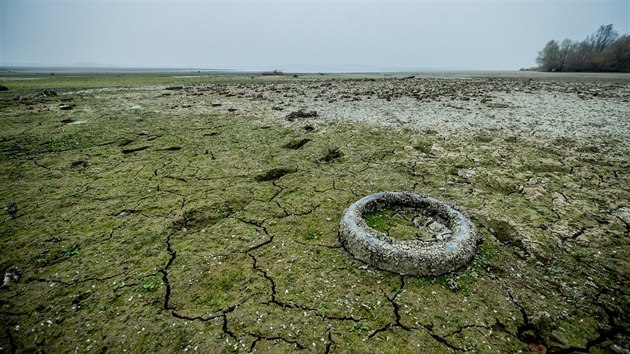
(166, 213)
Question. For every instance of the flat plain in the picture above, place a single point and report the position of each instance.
(161, 213)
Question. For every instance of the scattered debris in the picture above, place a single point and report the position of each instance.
(12, 209)
(301, 114)
(331, 155)
(46, 93)
(466, 172)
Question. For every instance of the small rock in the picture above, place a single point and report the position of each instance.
(466, 172)
(11, 275)
(438, 228)
(618, 349)
(66, 107)
(453, 285)
(623, 213)
(436, 147)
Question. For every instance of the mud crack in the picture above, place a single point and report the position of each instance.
(330, 342)
(259, 337)
(164, 271)
(396, 308)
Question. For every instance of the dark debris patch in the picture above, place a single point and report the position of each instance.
(132, 150)
(274, 174)
(11, 208)
(66, 107)
(296, 144)
(331, 155)
(301, 114)
(81, 164)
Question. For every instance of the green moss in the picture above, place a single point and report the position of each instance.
(423, 146)
(99, 230)
(310, 235)
(379, 220)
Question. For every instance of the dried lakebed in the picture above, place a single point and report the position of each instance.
(203, 214)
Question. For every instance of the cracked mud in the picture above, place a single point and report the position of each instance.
(190, 214)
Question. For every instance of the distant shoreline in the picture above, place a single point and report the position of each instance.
(104, 70)
(43, 70)
(34, 72)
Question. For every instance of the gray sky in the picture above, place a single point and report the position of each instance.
(322, 35)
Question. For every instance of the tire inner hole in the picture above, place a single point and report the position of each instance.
(405, 223)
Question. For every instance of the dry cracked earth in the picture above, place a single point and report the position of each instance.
(201, 213)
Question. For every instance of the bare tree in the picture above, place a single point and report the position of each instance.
(603, 38)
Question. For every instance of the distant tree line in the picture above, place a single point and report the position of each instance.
(604, 50)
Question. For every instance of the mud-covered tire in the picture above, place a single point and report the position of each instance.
(414, 257)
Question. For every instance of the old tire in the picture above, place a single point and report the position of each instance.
(414, 257)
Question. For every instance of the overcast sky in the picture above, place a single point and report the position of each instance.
(323, 35)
